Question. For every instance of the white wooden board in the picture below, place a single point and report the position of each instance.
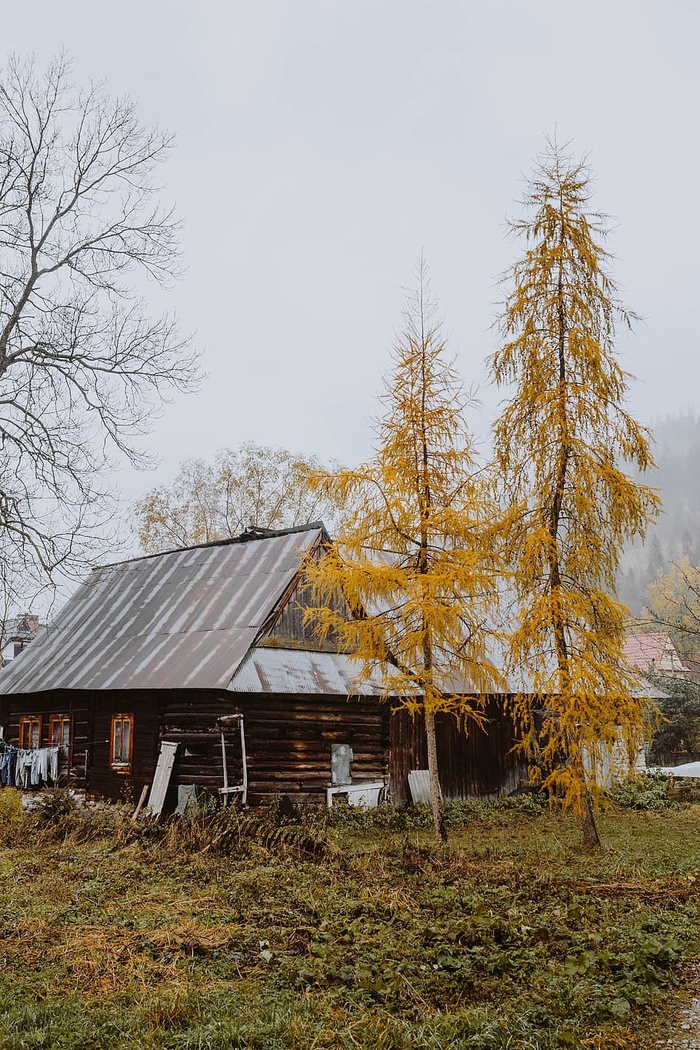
(161, 777)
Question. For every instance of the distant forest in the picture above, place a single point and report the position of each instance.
(676, 533)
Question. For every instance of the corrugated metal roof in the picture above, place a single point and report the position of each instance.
(272, 670)
(180, 620)
(654, 652)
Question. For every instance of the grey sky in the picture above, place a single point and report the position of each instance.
(322, 144)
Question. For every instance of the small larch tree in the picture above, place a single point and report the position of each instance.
(414, 560)
(562, 441)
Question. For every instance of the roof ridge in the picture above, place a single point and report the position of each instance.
(255, 532)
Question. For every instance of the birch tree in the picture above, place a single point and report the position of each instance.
(415, 558)
(562, 441)
(83, 364)
(253, 485)
(674, 601)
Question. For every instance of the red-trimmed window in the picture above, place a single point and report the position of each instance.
(30, 731)
(122, 741)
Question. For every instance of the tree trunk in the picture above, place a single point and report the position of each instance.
(590, 831)
(436, 802)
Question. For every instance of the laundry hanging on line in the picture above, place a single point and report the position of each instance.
(28, 767)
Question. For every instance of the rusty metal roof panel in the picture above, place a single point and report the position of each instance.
(274, 670)
(180, 620)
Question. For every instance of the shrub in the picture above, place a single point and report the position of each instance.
(417, 817)
(530, 803)
(643, 791)
(379, 818)
(54, 806)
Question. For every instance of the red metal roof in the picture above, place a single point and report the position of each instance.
(653, 653)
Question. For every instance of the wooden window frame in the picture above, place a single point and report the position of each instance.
(121, 764)
(26, 725)
(61, 720)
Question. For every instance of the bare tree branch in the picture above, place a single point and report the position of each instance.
(83, 365)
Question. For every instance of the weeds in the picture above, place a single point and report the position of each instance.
(54, 806)
(419, 817)
(232, 830)
(655, 792)
(648, 791)
(11, 815)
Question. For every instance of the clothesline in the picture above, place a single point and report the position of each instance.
(28, 767)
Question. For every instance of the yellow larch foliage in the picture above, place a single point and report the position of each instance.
(416, 559)
(561, 443)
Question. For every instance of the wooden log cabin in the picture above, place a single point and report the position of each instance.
(168, 647)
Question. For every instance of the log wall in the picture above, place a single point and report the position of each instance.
(91, 725)
(102, 779)
(472, 761)
(43, 705)
(288, 741)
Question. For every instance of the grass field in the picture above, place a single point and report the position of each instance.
(225, 931)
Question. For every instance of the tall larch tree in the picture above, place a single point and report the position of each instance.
(562, 442)
(415, 560)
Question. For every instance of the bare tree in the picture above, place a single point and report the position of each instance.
(82, 363)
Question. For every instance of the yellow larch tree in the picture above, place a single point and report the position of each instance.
(562, 441)
(415, 559)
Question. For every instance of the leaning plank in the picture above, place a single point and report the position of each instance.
(142, 799)
(161, 779)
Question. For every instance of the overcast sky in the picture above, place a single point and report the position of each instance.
(322, 145)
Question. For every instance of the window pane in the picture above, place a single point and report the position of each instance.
(60, 733)
(117, 740)
(126, 736)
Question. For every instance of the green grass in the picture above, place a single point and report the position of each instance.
(363, 935)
